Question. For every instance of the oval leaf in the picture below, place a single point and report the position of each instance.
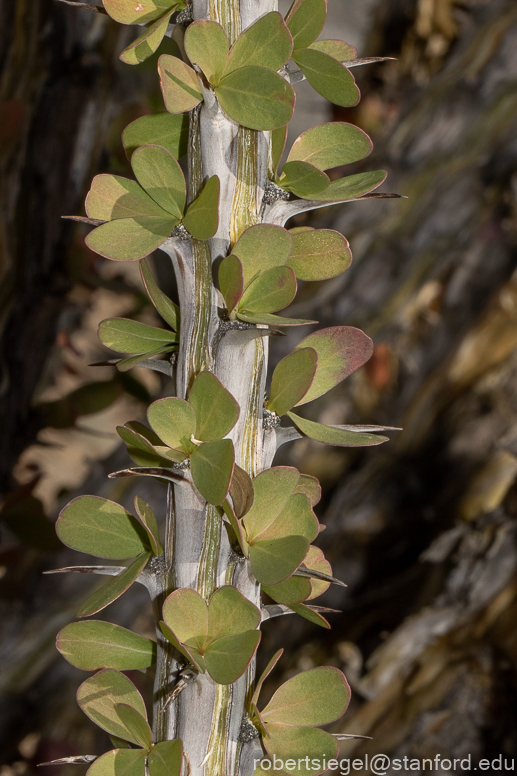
(147, 43)
(97, 644)
(159, 173)
(333, 435)
(112, 197)
(319, 254)
(262, 247)
(338, 49)
(216, 410)
(207, 46)
(267, 42)
(257, 98)
(293, 591)
(166, 758)
(179, 83)
(212, 466)
(328, 77)
(148, 520)
(305, 20)
(202, 216)
(101, 527)
(129, 12)
(271, 291)
(186, 614)
(315, 697)
(130, 762)
(162, 129)
(313, 748)
(331, 145)
(351, 187)
(128, 336)
(230, 613)
(231, 281)
(169, 311)
(136, 724)
(272, 489)
(227, 658)
(292, 379)
(341, 350)
(99, 696)
(129, 239)
(303, 179)
(113, 589)
(274, 560)
(174, 421)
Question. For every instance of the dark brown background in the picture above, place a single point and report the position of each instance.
(421, 529)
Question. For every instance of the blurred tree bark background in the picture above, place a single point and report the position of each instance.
(422, 530)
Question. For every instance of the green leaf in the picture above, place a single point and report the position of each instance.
(309, 747)
(100, 527)
(148, 520)
(241, 491)
(231, 281)
(126, 336)
(174, 421)
(338, 49)
(315, 561)
(262, 247)
(235, 526)
(257, 98)
(207, 46)
(212, 465)
(119, 762)
(341, 350)
(310, 487)
(292, 379)
(295, 519)
(265, 673)
(129, 239)
(352, 186)
(278, 141)
(169, 311)
(166, 758)
(186, 614)
(179, 83)
(267, 43)
(162, 129)
(113, 589)
(331, 145)
(293, 591)
(305, 20)
(271, 320)
(160, 175)
(334, 435)
(274, 560)
(189, 652)
(227, 658)
(271, 291)
(328, 77)
(315, 697)
(96, 644)
(119, 743)
(216, 410)
(309, 614)
(112, 197)
(129, 12)
(99, 695)
(303, 179)
(136, 724)
(319, 254)
(272, 489)
(140, 449)
(146, 43)
(125, 364)
(230, 613)
(202, 216)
